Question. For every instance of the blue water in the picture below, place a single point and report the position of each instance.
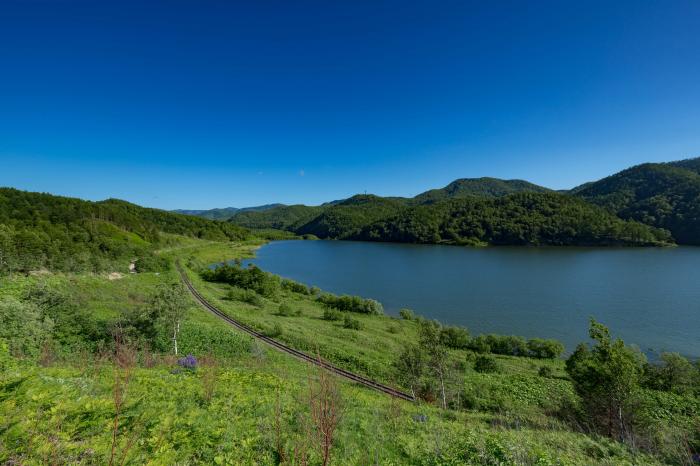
(647, 296)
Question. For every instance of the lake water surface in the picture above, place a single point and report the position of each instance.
(648, 296)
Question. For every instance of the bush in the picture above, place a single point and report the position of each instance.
(351, 304)
(545, 371)
(480, 345)
(331, 314)
(251, 278)
(407, 314)
(351, 323)
(454, 337)
(544, 349)
(152, 263)
(251, 297)
(285, 310)
(485, 364)
(295, 287)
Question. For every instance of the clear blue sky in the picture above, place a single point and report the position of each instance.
(200, 104)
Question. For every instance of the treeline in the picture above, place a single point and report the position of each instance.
(527, 219)
(268, 285)
(455, 337)
(662, 195)
(59, 233)
(522, 218)
(647, 205)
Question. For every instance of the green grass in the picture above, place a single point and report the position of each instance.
(64, 413)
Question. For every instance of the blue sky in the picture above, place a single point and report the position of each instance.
(182, 104)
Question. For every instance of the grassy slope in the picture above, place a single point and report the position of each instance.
(65, 412)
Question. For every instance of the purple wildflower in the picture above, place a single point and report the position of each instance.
(188, 362)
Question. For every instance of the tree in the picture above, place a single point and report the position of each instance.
(170, 304)
(429, 337)
(410, 366)
(674, 374)
(544, 349)
(606, 376)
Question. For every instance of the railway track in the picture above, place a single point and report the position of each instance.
(291, 351)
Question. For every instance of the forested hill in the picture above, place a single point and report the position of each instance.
(664, 195)
(528, 219)
(60, 233)
(226, 213)
(489, 187)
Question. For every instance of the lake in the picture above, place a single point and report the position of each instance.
(647, 296)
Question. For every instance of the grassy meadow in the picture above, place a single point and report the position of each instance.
(248, 404)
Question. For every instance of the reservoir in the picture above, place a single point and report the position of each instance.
(647, 296)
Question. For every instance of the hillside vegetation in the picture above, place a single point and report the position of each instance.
(226, 212)
(519, 219)
(526, 218)
(662, 195)
(60, 233)
(88, 376)
(489, 187)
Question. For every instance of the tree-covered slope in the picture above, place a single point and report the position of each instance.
(287, 217)
(662, 195)
(489, 187)
(516, 219)
(347, 218)
(688, 164)
(225, 213)
(60, 233)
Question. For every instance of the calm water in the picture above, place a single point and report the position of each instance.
(650, 297)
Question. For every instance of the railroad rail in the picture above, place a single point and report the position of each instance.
(291, 351)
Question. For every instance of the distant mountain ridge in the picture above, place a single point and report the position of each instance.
(225, 213)
(466, 211)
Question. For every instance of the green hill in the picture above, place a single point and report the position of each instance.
(288, 217)
(346, 218)
(60, 233)
(226, 212)
(488, 187)
(516, 219)
(661, 195)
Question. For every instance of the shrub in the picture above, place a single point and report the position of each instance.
(252, 298)
(351, 323)
(295, 287)
(407, 314)
(454, 337)
(331, 314)
(544, 349)
(480, 345)
(545, 371)
(152, 263)
(351, 304)
(285, 310)
(485, 364)
(251, 278)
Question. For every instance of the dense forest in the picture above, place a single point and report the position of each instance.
(662, 195)
(489, 187)
(491, 211)
(517, 219)
(60, 233)
(525, 218)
